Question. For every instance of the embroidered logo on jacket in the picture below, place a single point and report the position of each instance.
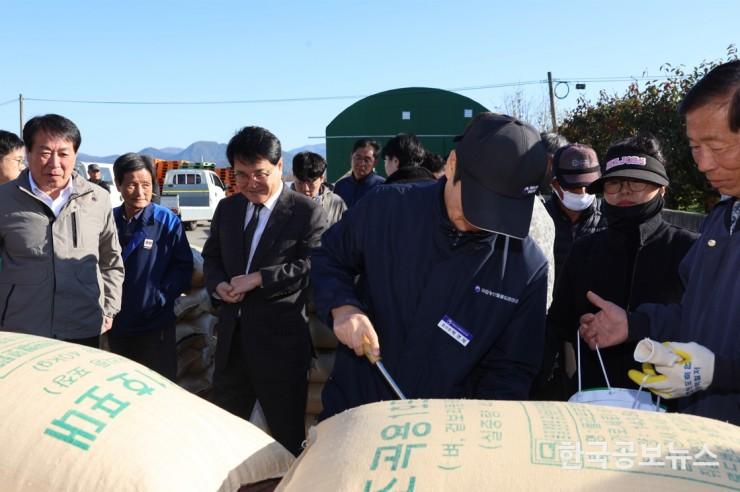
(482, 290)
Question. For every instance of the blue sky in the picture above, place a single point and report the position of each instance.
(168, 51)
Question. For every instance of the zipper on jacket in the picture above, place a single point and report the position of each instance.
(7, 302)
(54, 274)
(632, 279)
(74, 229)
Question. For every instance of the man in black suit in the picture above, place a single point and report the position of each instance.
(256, 261)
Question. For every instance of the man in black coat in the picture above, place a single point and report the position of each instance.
(256, 261)
(93, 172)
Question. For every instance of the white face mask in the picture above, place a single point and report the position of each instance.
(576, 202)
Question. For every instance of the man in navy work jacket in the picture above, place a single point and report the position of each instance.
(158, 263)
(363, 177)
(451, 290)
(704, 329)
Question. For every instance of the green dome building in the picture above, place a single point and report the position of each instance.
(436, 116)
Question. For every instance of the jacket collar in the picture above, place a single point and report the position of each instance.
(324, 190)
(410, 174)
(370, 178)
(650, 227)
(453, 237)
(728, 212)
(146, 215)
(80, 186)
(646, 231)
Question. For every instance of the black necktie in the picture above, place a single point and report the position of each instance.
(249, 230)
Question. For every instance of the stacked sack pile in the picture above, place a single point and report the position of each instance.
(196, 339)
(325, 346)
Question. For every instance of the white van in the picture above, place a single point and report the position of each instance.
(106, 174)
(198, 192)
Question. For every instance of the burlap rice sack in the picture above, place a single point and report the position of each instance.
(471, 445)
(80, 419)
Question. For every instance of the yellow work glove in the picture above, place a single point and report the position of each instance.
(673, 369)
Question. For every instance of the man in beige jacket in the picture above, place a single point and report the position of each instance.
(62, 271)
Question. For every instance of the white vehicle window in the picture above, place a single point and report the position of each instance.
(187, 179)
(218, 181)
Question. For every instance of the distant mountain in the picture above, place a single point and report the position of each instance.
(204, 151)
(92, 158)
(160, 153)
(170, 150)
(289, 154)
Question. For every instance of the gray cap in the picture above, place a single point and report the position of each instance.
(576, 165)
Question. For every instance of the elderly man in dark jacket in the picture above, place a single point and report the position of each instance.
(457, 303)
(702, 329)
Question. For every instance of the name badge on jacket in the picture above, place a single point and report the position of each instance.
(454, 330)
(148, 243)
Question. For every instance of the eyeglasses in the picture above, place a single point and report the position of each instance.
(309, 183)
(615, 185)
(259, 176)
(363, 160)
(19, 160)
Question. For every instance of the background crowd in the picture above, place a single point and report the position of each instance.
(476, 275)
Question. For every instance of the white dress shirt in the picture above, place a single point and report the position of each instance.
(57, 204)
(264, 216)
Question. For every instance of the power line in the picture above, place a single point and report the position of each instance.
(234, 101)
(333, 97)
(262, 101)
(612, 79)
(498, 86)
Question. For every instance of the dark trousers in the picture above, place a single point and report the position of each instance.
(237, 387)
(154, 349)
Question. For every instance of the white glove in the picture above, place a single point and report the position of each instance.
(674, 369)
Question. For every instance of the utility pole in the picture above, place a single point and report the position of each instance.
(552, 103)
(20, 113)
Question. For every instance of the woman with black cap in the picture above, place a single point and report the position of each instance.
(635, 260)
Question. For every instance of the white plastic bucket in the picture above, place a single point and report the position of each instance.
(635, 399)
(617, 397)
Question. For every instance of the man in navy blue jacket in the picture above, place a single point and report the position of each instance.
(363, 177)
(450, 288)
(704, 329)
(158, 263)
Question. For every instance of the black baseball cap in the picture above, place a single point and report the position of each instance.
(624, 163)
(501, 162)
